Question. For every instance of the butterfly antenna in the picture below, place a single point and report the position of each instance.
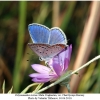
(68, 39)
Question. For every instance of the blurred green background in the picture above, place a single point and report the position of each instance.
(71, 17)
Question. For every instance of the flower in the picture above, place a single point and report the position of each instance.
(57, 66)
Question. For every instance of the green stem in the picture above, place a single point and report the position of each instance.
(19, 52)
(58, 81)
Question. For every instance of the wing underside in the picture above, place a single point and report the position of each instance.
(46, 51)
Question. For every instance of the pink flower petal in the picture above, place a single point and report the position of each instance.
(62, 55)
(41, 68)
(40, 80)
(37, 75)
(61, 61)
(67, 52)
(57, 68)
(62, 58)
(66, 63)
(70, 51)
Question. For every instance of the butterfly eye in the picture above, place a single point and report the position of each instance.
(40, 59)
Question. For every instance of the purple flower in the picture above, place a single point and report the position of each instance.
(57, 67)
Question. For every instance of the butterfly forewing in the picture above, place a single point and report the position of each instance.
(57, 36)
(39, 33)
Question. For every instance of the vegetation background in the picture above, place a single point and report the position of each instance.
(80, 20)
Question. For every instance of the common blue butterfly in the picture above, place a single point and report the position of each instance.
(46, 42)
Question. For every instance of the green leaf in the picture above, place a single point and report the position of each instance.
(20, 45)
(68, 15)
(38, 87)
(27, 88)
(10, 91)
(3, 87)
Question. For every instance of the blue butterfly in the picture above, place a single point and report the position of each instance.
(46, 42)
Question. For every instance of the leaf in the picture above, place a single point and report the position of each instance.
(3, 87)
(86, 81)
(10, 91)
(38, 87)
(27, 88)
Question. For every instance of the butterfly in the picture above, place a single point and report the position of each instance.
(47, 43)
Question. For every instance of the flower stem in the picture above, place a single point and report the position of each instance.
(58, 81)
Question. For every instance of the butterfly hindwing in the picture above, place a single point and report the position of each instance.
(46, 51)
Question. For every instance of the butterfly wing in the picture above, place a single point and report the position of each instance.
(57, 36)
(45, 51)
(39, 33)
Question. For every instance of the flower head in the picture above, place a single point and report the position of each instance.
(57, 67)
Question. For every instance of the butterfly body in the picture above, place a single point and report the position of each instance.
(46, 42)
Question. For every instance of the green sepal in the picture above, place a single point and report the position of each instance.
(68, 87)
(66, 81)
